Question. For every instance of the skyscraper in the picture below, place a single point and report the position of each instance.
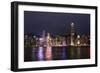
(72, 34)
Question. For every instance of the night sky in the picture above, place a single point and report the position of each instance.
(55, 23)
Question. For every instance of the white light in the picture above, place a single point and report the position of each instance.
(78, 36)
(72, 24)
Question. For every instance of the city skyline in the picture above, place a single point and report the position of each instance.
(56, 36)
(47, 38)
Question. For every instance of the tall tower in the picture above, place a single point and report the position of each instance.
(44, 38)
(72, 34)
(43, 34)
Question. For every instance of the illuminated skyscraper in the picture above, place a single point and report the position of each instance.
(78, 40)
(44, 38)
(72, 34)
(43, 34)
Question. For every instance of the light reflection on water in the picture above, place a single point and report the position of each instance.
(57, 53)
(40, 54)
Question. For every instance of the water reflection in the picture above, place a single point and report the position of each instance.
(56, 53)
(40, 54)
(64, 55)
(78, 52)
(48, 53)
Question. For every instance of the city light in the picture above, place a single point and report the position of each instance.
(47, 42)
